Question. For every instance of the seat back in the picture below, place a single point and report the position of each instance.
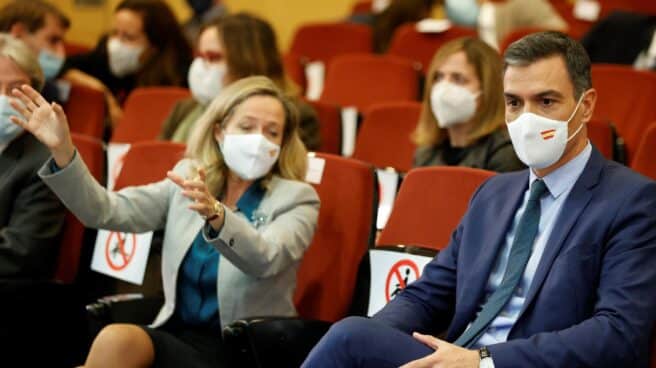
(328, 272)
(430, 204)
(602, 136)
(361, 80)
(631, 116)
(644, 161)
(324, 41)
(148, 162)
(330, 126)
(384, 137)
(145, 110)
(92, 153)
(85, 109)
(420, 47)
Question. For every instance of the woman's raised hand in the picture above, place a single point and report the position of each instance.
(46, 121)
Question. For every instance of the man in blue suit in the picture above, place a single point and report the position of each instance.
(554, 266)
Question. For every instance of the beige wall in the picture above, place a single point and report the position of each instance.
(89, 22)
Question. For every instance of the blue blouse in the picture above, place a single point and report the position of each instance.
(197, 301)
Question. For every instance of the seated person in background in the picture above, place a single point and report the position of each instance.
(461, 122)
(230, 48)
(203, 11)
(146, 47)
(497, 19)
(237, 218)
(623, 38)
(549, 267)
(41, 26)
(31, 216)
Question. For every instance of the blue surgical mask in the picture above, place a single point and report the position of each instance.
(51, 64)
(462, 12)
(8, 130)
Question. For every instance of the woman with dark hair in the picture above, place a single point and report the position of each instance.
(231, 48)
(146, 47)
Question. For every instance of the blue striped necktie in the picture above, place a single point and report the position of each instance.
(520, 253)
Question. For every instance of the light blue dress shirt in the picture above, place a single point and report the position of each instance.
(560, 183)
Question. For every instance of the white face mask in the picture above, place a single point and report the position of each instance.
(452, 104)
(205, 80)
(250, 156)
(8, 130)
(123, 58)
(539, 141)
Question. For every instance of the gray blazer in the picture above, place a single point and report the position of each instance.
(258, 263)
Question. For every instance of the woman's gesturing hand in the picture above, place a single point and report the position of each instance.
(196, 190)
(46, 121)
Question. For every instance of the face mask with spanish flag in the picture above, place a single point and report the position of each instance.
(539, 141)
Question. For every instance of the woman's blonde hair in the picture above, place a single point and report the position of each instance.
(490, 113)
(23, 57)
(203, 148)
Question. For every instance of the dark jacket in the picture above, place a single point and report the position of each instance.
(493, 152)
(31, 216)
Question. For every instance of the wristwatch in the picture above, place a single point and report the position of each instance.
(486, 358)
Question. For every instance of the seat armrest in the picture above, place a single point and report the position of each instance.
(123, 308)
(272, 341)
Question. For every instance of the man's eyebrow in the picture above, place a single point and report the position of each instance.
(550, 93)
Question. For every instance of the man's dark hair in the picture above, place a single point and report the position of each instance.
(538, 46)
(31, 13)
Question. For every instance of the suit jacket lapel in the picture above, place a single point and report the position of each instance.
(574, 205)
(9, 160)
(478, 275)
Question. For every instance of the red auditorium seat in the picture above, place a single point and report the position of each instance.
(145, 110)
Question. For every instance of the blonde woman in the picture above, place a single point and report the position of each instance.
(237, 219)
(462, 118)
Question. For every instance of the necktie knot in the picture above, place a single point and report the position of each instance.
(538, 189)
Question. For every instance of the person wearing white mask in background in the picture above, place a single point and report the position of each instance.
(462, 117)
(41, 26)
(496, 19)
(146, 47)
(230, 48)
(237, 215)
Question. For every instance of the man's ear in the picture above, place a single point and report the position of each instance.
(18, 30)
(588, 104)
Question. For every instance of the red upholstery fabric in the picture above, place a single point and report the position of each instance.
(361, 80)
(515, 36)
(420, 47)
(430, 204)
(323, 41)
(600, 134)
(626, 98)
(86, 110)
(144, 112)
(148, 162)
(328, 272)
(644, 160)
(384, 136)
(330, 126)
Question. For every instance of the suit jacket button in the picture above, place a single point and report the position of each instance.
(231, 242)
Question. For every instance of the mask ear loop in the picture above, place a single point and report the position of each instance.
(576, 109)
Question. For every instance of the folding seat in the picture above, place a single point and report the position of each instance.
(625, 98)
(420, 47)
(85, 109)
(644, 160)
(145, 110)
